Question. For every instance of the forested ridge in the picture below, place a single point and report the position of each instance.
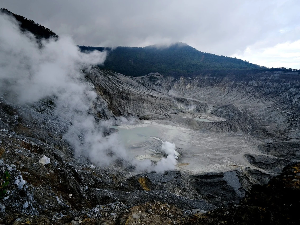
(39, 31)
(176, 60)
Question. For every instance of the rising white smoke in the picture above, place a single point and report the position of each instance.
(29, 73)
(166, 163)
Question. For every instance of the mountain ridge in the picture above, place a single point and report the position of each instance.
(139, 61)
(39, 31)
(178, 59)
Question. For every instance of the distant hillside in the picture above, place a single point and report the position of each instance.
(176, 60)
(37, 30)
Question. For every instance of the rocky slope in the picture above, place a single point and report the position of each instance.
(44, 181)
(68, 188)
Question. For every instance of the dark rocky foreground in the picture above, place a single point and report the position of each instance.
(277, 202)
(64, 189)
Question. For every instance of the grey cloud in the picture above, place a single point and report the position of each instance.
(221, 27)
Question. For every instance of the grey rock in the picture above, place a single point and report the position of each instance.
(264, 107)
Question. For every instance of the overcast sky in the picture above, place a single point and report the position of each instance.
(265, 32)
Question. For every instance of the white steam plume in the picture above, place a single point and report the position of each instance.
(168, 163)
(29, 73)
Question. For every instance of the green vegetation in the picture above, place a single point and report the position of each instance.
(176, 60)
(4, 181)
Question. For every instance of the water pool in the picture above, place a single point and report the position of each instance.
(199, 151)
